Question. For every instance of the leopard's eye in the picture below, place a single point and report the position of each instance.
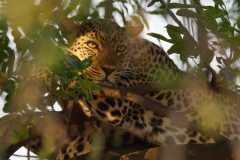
(92, 44)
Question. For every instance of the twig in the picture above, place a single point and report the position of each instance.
(28, 156)
(28, 150)
(177, 21)
(131, 94)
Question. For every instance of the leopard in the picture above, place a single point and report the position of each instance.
(111, 49)
(104, 141)
(158, 115)
(150, 111)
(144, 103)
(206, 120)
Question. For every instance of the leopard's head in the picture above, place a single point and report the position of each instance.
(104, 42)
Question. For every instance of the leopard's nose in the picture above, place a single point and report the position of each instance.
(108, 69)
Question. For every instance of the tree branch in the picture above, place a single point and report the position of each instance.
(179, 23)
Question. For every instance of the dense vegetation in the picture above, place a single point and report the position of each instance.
(35, 71)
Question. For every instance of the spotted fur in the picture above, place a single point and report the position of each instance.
(191, 115)
(121, 58)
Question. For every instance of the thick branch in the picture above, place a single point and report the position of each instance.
(130, 94)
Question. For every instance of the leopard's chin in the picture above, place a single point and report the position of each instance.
(94, 73)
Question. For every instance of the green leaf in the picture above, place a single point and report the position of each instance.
(210, 22)
(9, 87)
(187, 13)
(238, 23)
(19, 135)
(3, 33)
(3, 23)
(174, 32)
(175, 48)
(6, 107)
(72, 5)
(225, 27)
(159, 36)
(214, 12)
(86, 87)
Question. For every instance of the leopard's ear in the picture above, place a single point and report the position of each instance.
(134, 27)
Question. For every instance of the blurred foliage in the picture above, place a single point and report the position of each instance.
(33, 38)
(35, 33)
(217, 35)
